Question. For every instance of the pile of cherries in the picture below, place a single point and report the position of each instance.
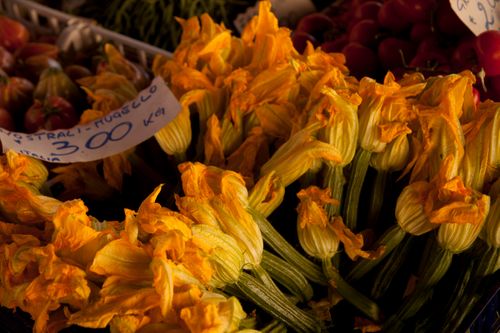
(403, 36)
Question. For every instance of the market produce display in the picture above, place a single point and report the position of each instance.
(403, 36)
(289, 194)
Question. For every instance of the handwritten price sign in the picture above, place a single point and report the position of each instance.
(478, 15)
(121, 129)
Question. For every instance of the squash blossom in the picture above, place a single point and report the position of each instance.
(481, 163)
(227, 197)
(23, 169)
(213, 313)
(224, 253)
(439, 131)
(298, 154)
(320, 237)
(20, 198)
(460, 213)
(267, 194)
(316, 234)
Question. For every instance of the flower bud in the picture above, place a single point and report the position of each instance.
(410, 213)
(296, 156)
(482, 147)
(238, 223)
(394, 157)
(224, 254)
(24, 169)
(342, 129)
(267, 194)
(175, 137)
(202, 181)
(316, 235)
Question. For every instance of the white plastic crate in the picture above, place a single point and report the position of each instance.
(76, 32)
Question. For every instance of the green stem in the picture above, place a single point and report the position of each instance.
(385, 275)
(377, 197)
(279, 244)
(360, 165)
(390, 239)
(274, 326)
(353, 296)
(434, 265)
(335, 181)
(263, 276)
(287, 275)
(276, 306)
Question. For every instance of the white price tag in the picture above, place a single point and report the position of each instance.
(133, 123)
(478, 15)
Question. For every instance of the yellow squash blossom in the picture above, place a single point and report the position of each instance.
(250, 155)
(117, 63)
(440, 133)
(481, 163)
(108, 91)
(384, 112)
(129, 299)
(213, 149)
(276, 120)
(236, 221)
(270, 45)
(74, 237)
(152, 217)
(202, 181)
(213, 314)
(315, 232)
(342, 126)
(319, 236)
(23, 169)
(267, 194)
(410, 214)
(298, 155)
(450, 202)
(223, 251)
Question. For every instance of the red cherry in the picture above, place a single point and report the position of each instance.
(315, 24)
(360, 60)
(394, 52)
(417, 10)
(300, 39)
(368, 10)
(391, 16)
(419, 31)
(335, 45)
(364, 32)
(488, 51)
(464, 56)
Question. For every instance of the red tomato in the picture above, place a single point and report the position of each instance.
(13, 34)
(6, 120)
(7, 61)
(16, 94)
(488, 51)
(54, 113)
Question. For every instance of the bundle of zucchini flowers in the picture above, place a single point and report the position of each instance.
(309, 201)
